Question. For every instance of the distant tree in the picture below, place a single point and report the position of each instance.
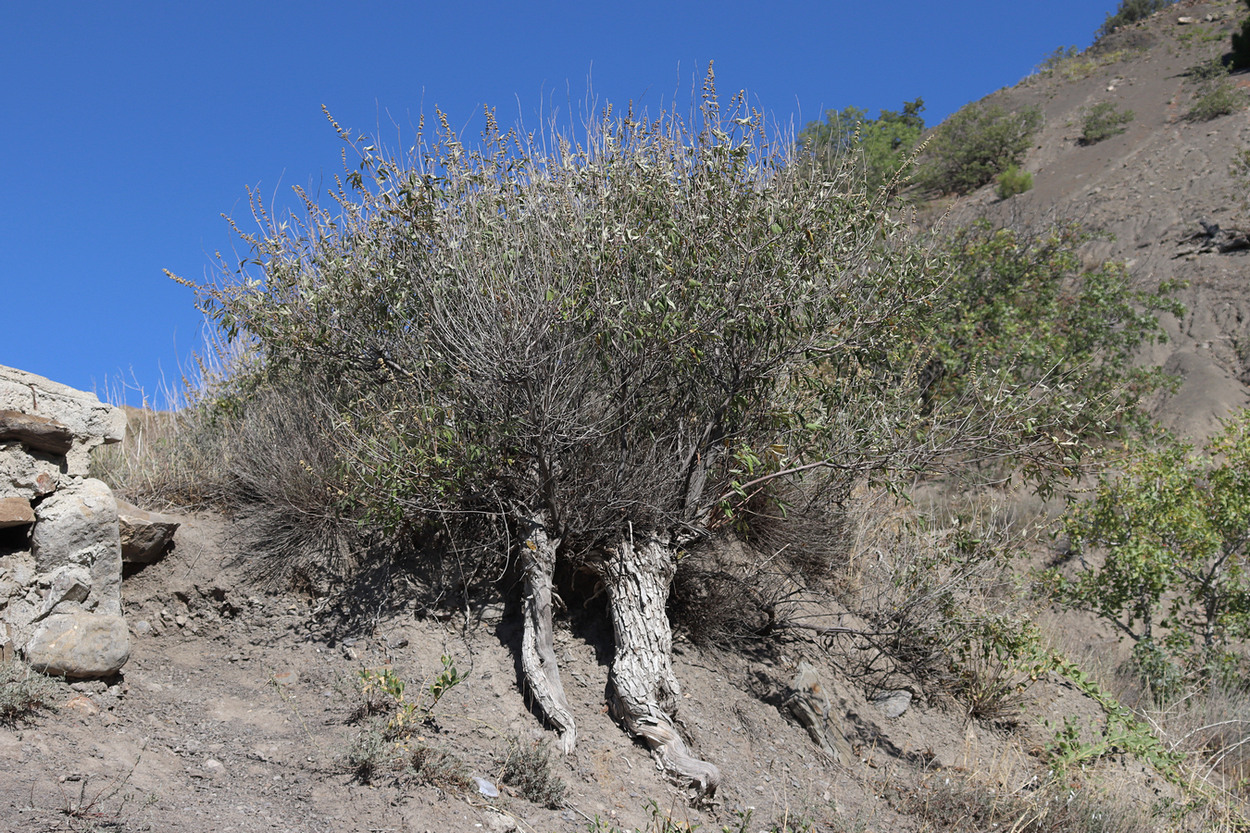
(1130, 11)
(1241, 44)
(975, 145)
(878, 148)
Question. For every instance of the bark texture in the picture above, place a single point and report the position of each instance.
(645, 692)
(538, 655)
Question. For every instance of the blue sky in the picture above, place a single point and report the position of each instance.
(129, 128)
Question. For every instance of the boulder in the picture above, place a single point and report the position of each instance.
(79, 645)
(145, 535)
(77, 525)
(90, 421)
(15, 511)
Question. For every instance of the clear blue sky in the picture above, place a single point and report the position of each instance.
(130, 127)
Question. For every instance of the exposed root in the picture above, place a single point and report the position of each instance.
(538, 655)
(638, 574)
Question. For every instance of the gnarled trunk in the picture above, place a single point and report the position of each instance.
(538, 654)
(638, 573)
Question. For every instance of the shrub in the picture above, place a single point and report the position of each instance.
(1130, 11)
(1056, 59)
(1211, 70)
(1174, 577)
(593, 357)
(975, 145)
(1014, 181)
(1102, 121)
(1024, 305)
(1220, 98)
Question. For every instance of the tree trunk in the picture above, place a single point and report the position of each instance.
(645, 692)
(538, 654)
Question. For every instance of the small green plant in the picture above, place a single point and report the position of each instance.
(1014, 181)
(527, 766)
(1102, 121)
(1219, 98)
(23, 692)
(382, 691)
(385, 743)
(975, 145)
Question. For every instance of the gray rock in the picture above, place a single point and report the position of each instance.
(90, 421)
(79, 645)
(145, 535)
(69, 587)
(485, 787)
(27, 474)
(78, 525)
(810, 705)
(893, 703)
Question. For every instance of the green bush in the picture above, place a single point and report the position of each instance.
(975, 145)
(1014, 181)
(1174, 577)
(1219, 98)
(1130, 11)
(1024, 305)
(1102, 121)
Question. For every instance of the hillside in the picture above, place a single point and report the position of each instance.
(1150, 188)
(242, 709)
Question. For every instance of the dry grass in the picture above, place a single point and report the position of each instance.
(23, 692)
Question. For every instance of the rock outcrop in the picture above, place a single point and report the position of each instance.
(61, 547)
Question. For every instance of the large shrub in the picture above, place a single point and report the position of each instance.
(975, 145)
(595, 355)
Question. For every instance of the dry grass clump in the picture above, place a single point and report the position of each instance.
(372, 756)
(24, 692)
(958, 804)
(528, 767)
(943, 606)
